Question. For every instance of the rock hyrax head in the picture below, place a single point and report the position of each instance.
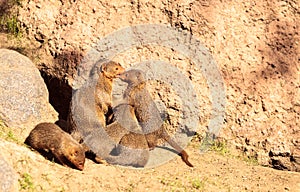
(76, 155)
(132, 76)
(111, 69)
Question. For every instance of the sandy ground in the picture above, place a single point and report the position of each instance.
(212, 172)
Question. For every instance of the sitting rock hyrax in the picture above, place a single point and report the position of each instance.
(106, 72)
(103, 93)
(49, 137)
(147, 113)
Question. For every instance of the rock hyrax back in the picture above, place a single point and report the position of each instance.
(49, 137)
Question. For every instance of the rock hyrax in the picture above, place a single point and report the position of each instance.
(103, 93)
(105, 73)
(147, 113)
(49, 137)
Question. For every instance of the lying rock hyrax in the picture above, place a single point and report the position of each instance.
(147, 113)
(49, 137)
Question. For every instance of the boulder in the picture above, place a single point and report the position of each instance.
(24, 95)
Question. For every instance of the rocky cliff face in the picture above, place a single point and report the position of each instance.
(254, 43)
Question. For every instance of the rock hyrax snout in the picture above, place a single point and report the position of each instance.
(49, 137)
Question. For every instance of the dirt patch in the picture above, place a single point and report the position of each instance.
(212, 172)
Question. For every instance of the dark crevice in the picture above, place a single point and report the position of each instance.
(277, 164)
(60, 94)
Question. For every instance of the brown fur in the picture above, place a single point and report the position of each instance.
(49, 137)
(131, 148)
(122, 129)
(147, 113)
(103, 92)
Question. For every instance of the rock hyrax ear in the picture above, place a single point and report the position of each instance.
(74, 153)
(140, 76)
(103, 67)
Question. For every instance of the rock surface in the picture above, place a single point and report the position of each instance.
(8, 177)
(24, 95)
(255, 44)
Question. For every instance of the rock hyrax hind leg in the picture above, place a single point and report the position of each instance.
(130, 148)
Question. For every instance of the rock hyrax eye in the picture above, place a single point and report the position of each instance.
(75, 153)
